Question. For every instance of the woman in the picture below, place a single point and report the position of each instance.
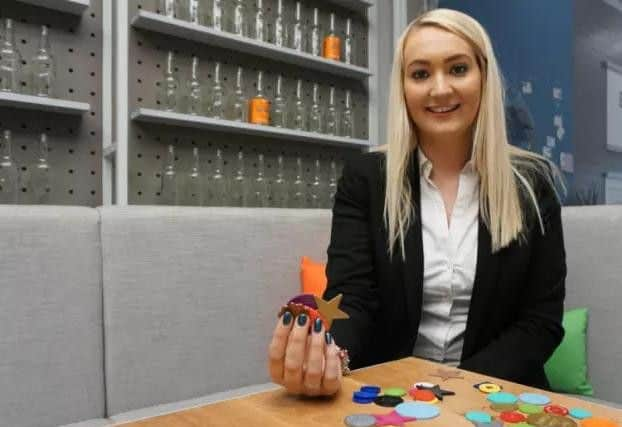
(447, 242)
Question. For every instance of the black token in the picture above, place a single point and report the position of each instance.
(388, 401)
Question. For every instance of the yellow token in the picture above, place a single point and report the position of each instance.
(489, 388)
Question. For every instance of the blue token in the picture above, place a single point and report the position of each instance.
(362, 397)
(534, 399)
(580, 413)
(478, 416)
(371, 389)
(502, 397)
(420, 411)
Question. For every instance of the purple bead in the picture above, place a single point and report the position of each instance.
(305, 299)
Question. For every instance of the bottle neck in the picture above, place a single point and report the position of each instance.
(259, 84)
(218, 163)
(298, 15)
(170, 59)
(43, 149)
(6, 147)
(217, 73)
(44, 43)
(331, 28)
(195, 68)
(170, 159)
(331, 96)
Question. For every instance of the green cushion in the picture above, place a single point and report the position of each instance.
(567, 367)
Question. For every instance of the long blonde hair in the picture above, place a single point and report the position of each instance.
(504, 170)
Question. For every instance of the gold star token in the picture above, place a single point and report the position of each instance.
(445, 374)
(329, 310)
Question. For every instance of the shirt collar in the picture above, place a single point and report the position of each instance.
(425, 165)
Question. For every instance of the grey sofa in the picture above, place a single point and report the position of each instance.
(115, 314)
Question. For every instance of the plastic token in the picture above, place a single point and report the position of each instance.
(580, 413)
(534, 398)
(512, 417)
(529, 409)
(420, 411)
(388, 401)
(556, 410)
(374, 389)
(360, 420)
(395, 391)
(489, 387)
(478, 416)
(502, 397)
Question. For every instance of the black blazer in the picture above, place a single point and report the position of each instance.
(514, 321)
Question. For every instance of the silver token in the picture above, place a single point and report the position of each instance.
(360, 420)
(494, 423)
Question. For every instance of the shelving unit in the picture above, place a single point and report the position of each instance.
(38, 103)
(146, 115)
(355, 4)
(188, 31)
(74, 7)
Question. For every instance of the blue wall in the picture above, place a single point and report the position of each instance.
(533, 41)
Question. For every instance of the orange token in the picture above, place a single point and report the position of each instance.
(598, 422)
(422, 395)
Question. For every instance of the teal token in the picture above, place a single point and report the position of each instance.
(502, 397)
(580, 413)
(534, 399)
(395, 391)
(478, 416)
(420, 411)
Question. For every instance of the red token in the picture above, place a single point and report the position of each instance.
(556, 410)
(422, 395)
(512, 417)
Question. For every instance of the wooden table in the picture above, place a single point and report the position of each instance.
(278, 409)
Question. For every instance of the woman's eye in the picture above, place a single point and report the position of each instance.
(460, 69)
(419, 74)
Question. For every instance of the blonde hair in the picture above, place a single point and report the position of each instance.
(501, 167)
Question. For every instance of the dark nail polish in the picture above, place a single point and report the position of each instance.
(329, 338)
(317, 326)
(287, 318)
(302, 319)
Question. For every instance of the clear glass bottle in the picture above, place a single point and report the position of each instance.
(182, 9)
(318, 190)
(216, 20)
(299, 187)
(299, 117)
(259, 22)
(297, 30)
(217, 190)
(259, 194)
(194, 182)
(239, 184)
(279, 32)
(279, 110)
(332, 183)
(169, 86)
(9, 176)
(239, 18)
(216, 96)
(10, 60)
(259, 105)
(237, 107)
(347, 117)
(315, 40)
(280, 186)
(39, 182)
(194, 100)
(168, 192)
(332, 119)
(348, 44)
(332, 42)
(197, 13)
(316, 121)
(167, 8)
(43, 67)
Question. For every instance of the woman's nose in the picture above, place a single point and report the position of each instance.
(440, 85)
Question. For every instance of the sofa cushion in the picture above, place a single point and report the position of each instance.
(51, 345)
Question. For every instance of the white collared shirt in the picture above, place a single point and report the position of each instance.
(449, 260)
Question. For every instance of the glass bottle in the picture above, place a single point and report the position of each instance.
(331, 113)
(315, 43)
(10, 60)
(347, 117)
(318, 192)
(280, 187)
(259, 106)
(8, 172)
(259, 194)
(332, 183)
(279, 110)
(196, 12)
(332, 42)
(239, 185)
(216, 97)
(279, 32)
(315, 114)
(239, 20)
(194, 182)
(182, 9)
(299, 193)
(194, 103)
(300, 112)
(348, 44)
(217, 190)
(39, 181)
(167, 8)
(168, 192)
(237, 102)
(259, 22)
(43, 68)
(169, 86)
(216, 18)
(297, 34)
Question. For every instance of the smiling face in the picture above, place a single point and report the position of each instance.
(442, 84)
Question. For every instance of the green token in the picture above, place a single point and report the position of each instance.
(394, 391)
(504, 407)
(529, 409)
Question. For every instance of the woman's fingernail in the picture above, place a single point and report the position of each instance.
(287, 318)
(329, 338)
(302, 319)
(317, 326)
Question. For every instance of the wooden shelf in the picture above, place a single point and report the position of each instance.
(186, 120)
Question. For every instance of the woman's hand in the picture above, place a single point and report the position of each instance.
(304, 363)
